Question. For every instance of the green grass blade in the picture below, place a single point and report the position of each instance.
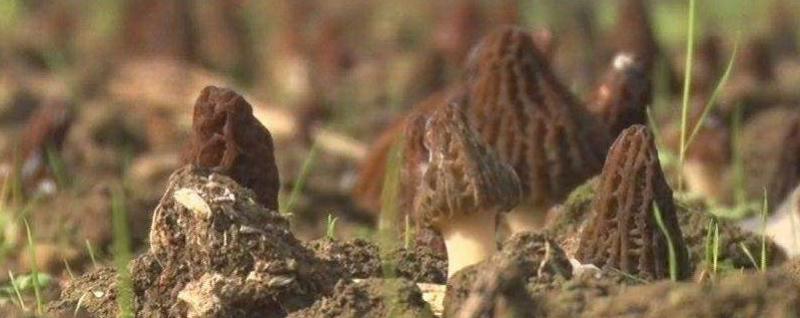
(15, 287)
(34, 270)
(300, 183)
(122, 253)
(673, 262)
(90, 249)
(749, 255)
(687, 81)
(715, 262)
(712, 100)
(764, 209)
(390, 196)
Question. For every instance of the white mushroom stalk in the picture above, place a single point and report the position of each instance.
(462, 187)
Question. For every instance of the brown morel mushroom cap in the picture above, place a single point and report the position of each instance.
(230, 140)
(531, 120)
(462, 185)
(623, 232)
(622, 98)
(461, 175)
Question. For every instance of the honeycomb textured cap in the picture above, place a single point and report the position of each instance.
(531, 120)
(228, 139)
(623, 232)
(461, 174)
(622, 98)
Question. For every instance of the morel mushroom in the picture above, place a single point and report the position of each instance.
(532, 121)
(45, 131)
(463, 186)
(633, 33)
(622, 98)
(230, 140)
(624, 232)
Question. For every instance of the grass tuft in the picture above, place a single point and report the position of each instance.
(330, 227)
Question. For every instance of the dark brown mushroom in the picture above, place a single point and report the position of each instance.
(532, 121)
(624, 232)
(462, 187)
(230, 140)
(622, 98)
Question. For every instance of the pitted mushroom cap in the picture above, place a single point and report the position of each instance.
(622, 98)
(623, 232)
(461, 174)
(530, 119)
(229, 139)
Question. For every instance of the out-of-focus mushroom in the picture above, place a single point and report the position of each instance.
(43, 136)
(624, 232)
(532, 121)
(786, 175)
(633, 33)
(622, 98)
(462, 188)
(229, 140)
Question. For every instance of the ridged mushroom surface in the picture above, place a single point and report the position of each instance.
(623, 232)
(228, 139)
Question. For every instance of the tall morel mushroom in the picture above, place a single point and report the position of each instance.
(624, 232)
(230, 140)
(462, 188)
(622, 98)
(532, 121)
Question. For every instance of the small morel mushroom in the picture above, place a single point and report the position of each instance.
(624, 232)
(230, 140)
(45, 132)
(622, 98)
(463, 186)
(532, 121)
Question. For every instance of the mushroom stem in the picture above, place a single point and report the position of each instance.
(525, 219)
(469, 239)
(704, 179)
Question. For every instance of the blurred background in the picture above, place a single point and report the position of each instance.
(96, 96)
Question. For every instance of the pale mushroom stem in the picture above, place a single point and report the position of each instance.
(703, 179)
(525, 219)
(469, 239)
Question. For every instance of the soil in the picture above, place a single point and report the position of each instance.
(358, 258)
(373, 297)
(210, 239)
(420, 264)
(502, 285)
